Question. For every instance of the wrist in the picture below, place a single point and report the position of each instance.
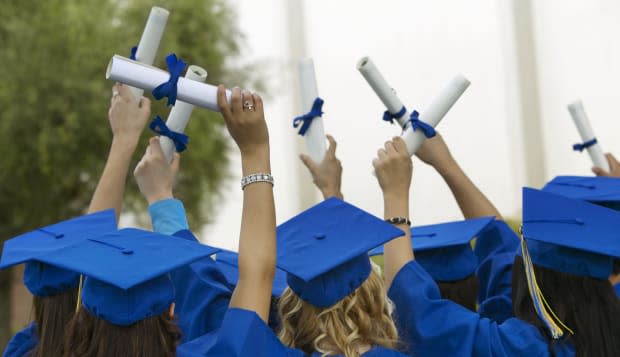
(255, 161)
(158, 196)
(327, 193)
(447, 167)
(126, 142)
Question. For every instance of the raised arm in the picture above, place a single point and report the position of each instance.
(127, 120)
(155, 178)
(246, 124)
(327, 175)
(394, 169)
(471, 200)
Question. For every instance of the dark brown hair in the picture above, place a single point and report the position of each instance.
(52, 314)
(463, 292)
(90, 336)
(588, 306)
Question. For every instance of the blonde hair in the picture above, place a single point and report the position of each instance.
(361, 319)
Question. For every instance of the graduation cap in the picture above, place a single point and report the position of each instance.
(42, 279)
(566, 235)
(604, 191)
(228, 264)
(324, 250)
(127, 272)
(444, 249)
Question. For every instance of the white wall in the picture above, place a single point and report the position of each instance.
(419, 45)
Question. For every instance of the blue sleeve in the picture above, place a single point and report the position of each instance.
(617, 288)
(243, 333)
(168, 216)
(431, 326)
(202, 297)
(22, 343)
(495, 249)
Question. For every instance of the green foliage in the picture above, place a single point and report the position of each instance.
(54, 101)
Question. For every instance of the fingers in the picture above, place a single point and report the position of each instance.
(248, 100)
(331, 150)
(310, 164)
(145, 106)
(155, 147)
(175, 163)
(400, 145)
(258, 102)
(125, 92)
(235, 102)
(222, 101)
(599, 172)
(381, 154)
(389, 148)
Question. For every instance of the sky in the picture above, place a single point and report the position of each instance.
(418, 46)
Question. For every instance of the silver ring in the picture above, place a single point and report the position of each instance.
(248, 105)
(115, 93)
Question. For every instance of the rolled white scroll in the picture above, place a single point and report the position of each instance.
(180, 113)
(383, 90)
(133, 73)
(149, 42)
(585, 131)
(436, 110)
(315, 135)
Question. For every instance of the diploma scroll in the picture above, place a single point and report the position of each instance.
(585, 131)
(181, 112)
(435, 111)
(383, 90)
(146, 77)
(149, 42)
(315, 135)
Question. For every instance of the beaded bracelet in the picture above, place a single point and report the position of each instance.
(254, 178)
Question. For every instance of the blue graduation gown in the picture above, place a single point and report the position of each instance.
(617, 288)
(431, 326)
(243, 333)
(495, 249)
(22, 343)
(202, 295)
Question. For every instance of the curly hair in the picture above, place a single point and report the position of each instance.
(363, 318)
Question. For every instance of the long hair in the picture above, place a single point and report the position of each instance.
(588, 306)
(52, 314)
(90, 336)
(463, 292)
(363, 318)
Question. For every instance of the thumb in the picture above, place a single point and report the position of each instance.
(308, 162)
(155, 147)
(175, 163)
(599, 172)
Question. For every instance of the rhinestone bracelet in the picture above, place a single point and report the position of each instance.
(399, 220)
(253, 178)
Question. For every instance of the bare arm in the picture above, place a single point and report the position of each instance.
(127, 120)
(257, 241)
(472, 202)
(394, 169)
(327, 175)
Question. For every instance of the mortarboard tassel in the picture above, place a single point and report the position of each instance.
(543, 310)
(79, 294)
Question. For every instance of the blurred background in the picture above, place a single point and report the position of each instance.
(526, 60)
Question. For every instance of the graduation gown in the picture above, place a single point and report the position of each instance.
(617, 288)
(22, 343)
(495, 249)
(244, 333)
(202, 295)
(431, 326)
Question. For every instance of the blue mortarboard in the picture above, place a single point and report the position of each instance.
(228, 265)
(324, 250)
(444, 249)
(604, 191)
(42, 279)
(127, 272)
(569, 235)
